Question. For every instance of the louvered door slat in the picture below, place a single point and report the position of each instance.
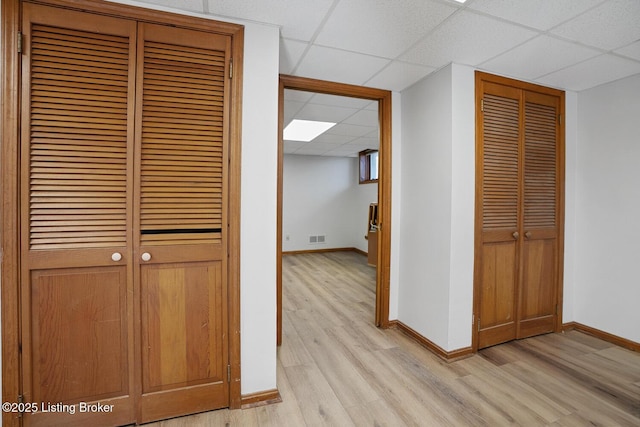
(182, 137)
(500, 159)
(540, 166)
(78, 155)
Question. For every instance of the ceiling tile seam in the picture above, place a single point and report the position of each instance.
(577, 63)
(595, 6)
(315, 35)
(559, 38)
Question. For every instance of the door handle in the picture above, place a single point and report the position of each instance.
(116, 256)
(527, 235)
(516, 235)
(146, 256)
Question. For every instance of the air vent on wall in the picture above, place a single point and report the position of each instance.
(317, 239)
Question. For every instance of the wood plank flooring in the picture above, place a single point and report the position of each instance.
(336, 369)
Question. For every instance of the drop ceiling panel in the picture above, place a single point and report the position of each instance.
(539, 14)
(363, 118)
(540, 56)
(631, 51)
(467, 38)
(192, 5)
(290, 53)
(340, 101)
(382, 28)
(399, 76)
(339, 66)
(593, 72)
(349, 130)
(613, 24)
(325, 113)
(298, 19)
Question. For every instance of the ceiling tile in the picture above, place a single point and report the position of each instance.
(611, 25)
(363, 118)
(339, 66)
(291, 146)
(631, 51)
(593, 72)
(311, 151)
(298, 19)
(539, 14)
(467, 38)
(291, 108)
(324, 113)
(538, 57)
(298, 95)
(192, 5)
(328, 138)
(290, 53)
(381, 28)
(399, 76)
(339, 101)
(349, 130)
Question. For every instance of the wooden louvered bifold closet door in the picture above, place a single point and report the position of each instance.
(500, 214)
(77, 330)
(181, 240)
(517, 263)
(538, 290)
(124, 223)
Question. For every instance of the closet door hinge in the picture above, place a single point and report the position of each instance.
(19, 41)
(231, 68)
(482, 105)
(228, 373)
(560, 119)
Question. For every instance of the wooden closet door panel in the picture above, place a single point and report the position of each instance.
(181, 220)
(77, 106)
(538, 298)
(500, 214)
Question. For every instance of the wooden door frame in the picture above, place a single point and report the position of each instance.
(383, 97)
(10, 174)
(479, 78)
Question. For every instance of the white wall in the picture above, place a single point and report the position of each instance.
(571, 147)
(396, 203)
(462, 207)
(607, 283)
(437, 207)
(258, 208)
(321, 196)
(425, 230)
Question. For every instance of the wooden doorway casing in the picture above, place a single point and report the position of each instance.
(383, 97)
(10, 81)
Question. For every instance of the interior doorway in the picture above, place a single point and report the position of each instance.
(383, 98)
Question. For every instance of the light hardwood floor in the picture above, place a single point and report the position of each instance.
(336, 369)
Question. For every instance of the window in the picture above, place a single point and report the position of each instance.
(368, 166)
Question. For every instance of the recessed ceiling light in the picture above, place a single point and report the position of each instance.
(305, 130)
(460, 1)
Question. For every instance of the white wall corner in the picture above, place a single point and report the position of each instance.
(258, 208)
(571, 158)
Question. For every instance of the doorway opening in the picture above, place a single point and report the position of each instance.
(383, 236)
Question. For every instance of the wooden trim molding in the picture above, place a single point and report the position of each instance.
(449, 356)
(605, 336)
(384, 186)
(9, 214)
(261, 398)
